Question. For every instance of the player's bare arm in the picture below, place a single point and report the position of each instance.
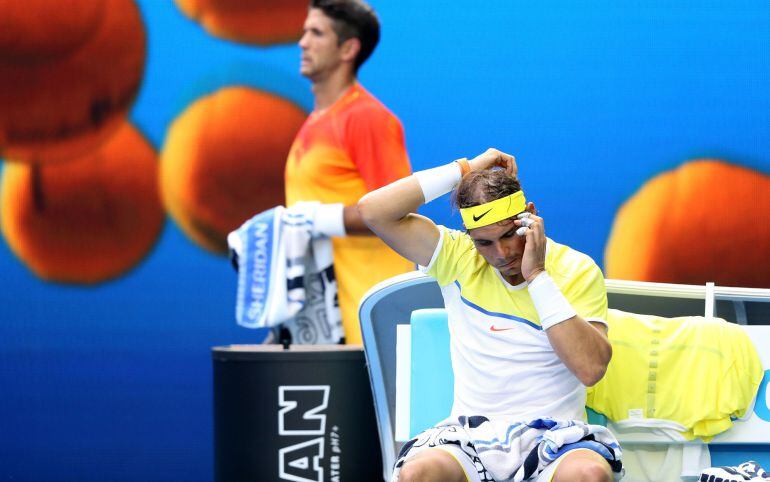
(582, 346)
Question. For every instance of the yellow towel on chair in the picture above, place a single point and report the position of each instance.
(693, 371)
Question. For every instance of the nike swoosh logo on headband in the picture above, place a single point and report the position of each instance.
(476, 218)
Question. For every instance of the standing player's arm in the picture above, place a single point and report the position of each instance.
(354, 223)
(583, 346)
(339, 220)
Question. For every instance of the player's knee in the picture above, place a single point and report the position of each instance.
(415, 470)
(594, 471)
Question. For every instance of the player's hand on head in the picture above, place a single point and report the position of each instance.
(494, 158)
(532, 227)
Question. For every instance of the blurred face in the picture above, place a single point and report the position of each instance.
(321, 52)
(501, 247)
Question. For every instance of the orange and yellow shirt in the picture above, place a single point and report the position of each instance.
(340, 154)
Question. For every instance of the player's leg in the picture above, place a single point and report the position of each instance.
(438, 465)
(581, 465)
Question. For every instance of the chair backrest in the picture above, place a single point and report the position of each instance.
(744, 306)
(431, 384)
(390, 304)
(383, 308)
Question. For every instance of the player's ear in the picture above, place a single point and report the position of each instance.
(531, 208)
(350, 49)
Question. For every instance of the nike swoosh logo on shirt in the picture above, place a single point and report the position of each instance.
(494, 328)
(476, 218)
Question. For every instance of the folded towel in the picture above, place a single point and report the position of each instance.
(520, 451)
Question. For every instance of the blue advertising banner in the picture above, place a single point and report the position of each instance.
(641, 131)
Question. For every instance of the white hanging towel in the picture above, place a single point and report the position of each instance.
(285, 277)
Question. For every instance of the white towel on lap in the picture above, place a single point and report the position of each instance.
(506, 452)
(517, 452)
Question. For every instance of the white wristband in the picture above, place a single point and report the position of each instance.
(235, 243)
(551, 305)
(329, 220)
(438, 181)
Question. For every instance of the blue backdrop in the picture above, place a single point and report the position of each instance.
(113, 382)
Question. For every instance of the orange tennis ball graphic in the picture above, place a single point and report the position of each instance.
(704, 221)
(69, 71)
(42, 30)
(86, 220)
(223, 161)
(260, 22)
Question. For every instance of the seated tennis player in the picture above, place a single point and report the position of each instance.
(527, 325)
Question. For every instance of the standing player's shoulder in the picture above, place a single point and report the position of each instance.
(364, 102)
(368, 116)
(367, 106)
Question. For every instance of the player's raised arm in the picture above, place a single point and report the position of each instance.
(390, 211)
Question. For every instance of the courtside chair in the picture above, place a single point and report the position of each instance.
(406, 342)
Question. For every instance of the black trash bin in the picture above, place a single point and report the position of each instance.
(304, 414)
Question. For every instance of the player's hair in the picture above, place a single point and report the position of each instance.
(352, 19)
(479, 187)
